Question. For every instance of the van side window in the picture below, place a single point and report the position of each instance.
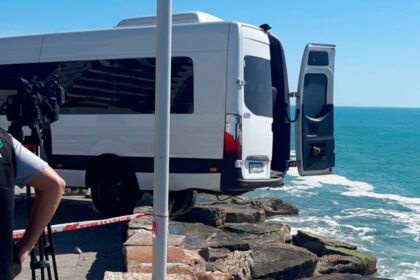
(33, 72)
(258, 90)
(89, 86)
(135, 86)
(115, 86)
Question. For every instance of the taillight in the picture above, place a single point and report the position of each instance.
(232, 137)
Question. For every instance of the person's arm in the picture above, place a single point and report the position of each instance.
(49, 188)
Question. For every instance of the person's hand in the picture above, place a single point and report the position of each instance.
(23, 255)
(22, 252)
(18, 259)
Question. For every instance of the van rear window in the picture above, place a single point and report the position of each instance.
(258, 91)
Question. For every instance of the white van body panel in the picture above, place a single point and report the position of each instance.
(254, 127)
(198, 135)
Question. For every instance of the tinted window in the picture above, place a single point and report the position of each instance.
(135, 86)
(314, 94)
(123, 86)
(258, 91)
(318, 58)
(89, 86)
(39, 72)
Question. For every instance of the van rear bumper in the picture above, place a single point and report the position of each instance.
(275, 181)
(239, 185)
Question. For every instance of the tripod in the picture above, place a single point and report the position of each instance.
(35, 143)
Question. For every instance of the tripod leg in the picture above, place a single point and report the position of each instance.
(41, 257)
(32, 265)
(32, 254)
(50, 239)
(47, 259)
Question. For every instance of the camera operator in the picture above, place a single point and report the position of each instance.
(20, 167)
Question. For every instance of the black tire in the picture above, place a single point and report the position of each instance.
(181, 202)
(114, 190)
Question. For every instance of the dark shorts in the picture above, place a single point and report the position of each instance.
(7, 204)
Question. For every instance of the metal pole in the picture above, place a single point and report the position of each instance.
(162, 126)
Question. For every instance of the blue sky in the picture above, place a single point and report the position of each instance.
(378, 41)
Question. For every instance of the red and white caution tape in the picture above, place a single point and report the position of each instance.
(86, 224)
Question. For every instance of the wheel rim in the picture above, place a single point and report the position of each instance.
(110, 191)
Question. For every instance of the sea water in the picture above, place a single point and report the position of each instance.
(373, 198)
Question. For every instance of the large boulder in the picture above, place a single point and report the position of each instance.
(139, 259)
(145, 238)
(211, 215)
(257, 234)
(275, 207)
(317, 244)
(146, 276)
(343, 276)
(356, 261)
(237, 213)
(208, 275)
(282, 261)
(238, 264)
(341, 264)
(363, 263)
(199, 236)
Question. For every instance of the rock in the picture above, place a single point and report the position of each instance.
(275, 207)
(213, 254)
(236, 213)
(368, 263)
(145, 276)
(199, 236)
(213, 276)
(282, 261)
(207, 199)
(148, 210)
(171, 268)
(144, 222)
(145, 238)
(343, 276)
(218, 214)
(237, 263)
(139, 258)
(340, 264)
(317, 244)
(210, 215)
(257, 234)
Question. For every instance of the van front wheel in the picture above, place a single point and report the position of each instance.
(113, 193)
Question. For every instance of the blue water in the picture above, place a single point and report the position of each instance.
(373, 198)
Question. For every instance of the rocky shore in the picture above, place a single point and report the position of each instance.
(231, 239)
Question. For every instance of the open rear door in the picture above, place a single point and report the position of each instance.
(314, 104)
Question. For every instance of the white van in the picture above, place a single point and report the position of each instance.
(230, 124)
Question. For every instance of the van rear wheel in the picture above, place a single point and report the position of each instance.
(113, 191)
(181, 202)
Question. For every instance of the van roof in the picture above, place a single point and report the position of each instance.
(181, 18)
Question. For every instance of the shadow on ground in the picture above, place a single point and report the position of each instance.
(101, 247)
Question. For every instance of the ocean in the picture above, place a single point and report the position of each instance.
(373, 198)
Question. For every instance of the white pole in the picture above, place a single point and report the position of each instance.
(162, 133)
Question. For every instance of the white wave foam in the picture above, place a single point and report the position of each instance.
(328, 226)
(403, 271)
(300, 186)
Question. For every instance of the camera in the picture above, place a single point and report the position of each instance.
(34, 102)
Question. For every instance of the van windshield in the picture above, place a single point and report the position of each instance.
(258, 91)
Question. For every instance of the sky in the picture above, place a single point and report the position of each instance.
(378, 41)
